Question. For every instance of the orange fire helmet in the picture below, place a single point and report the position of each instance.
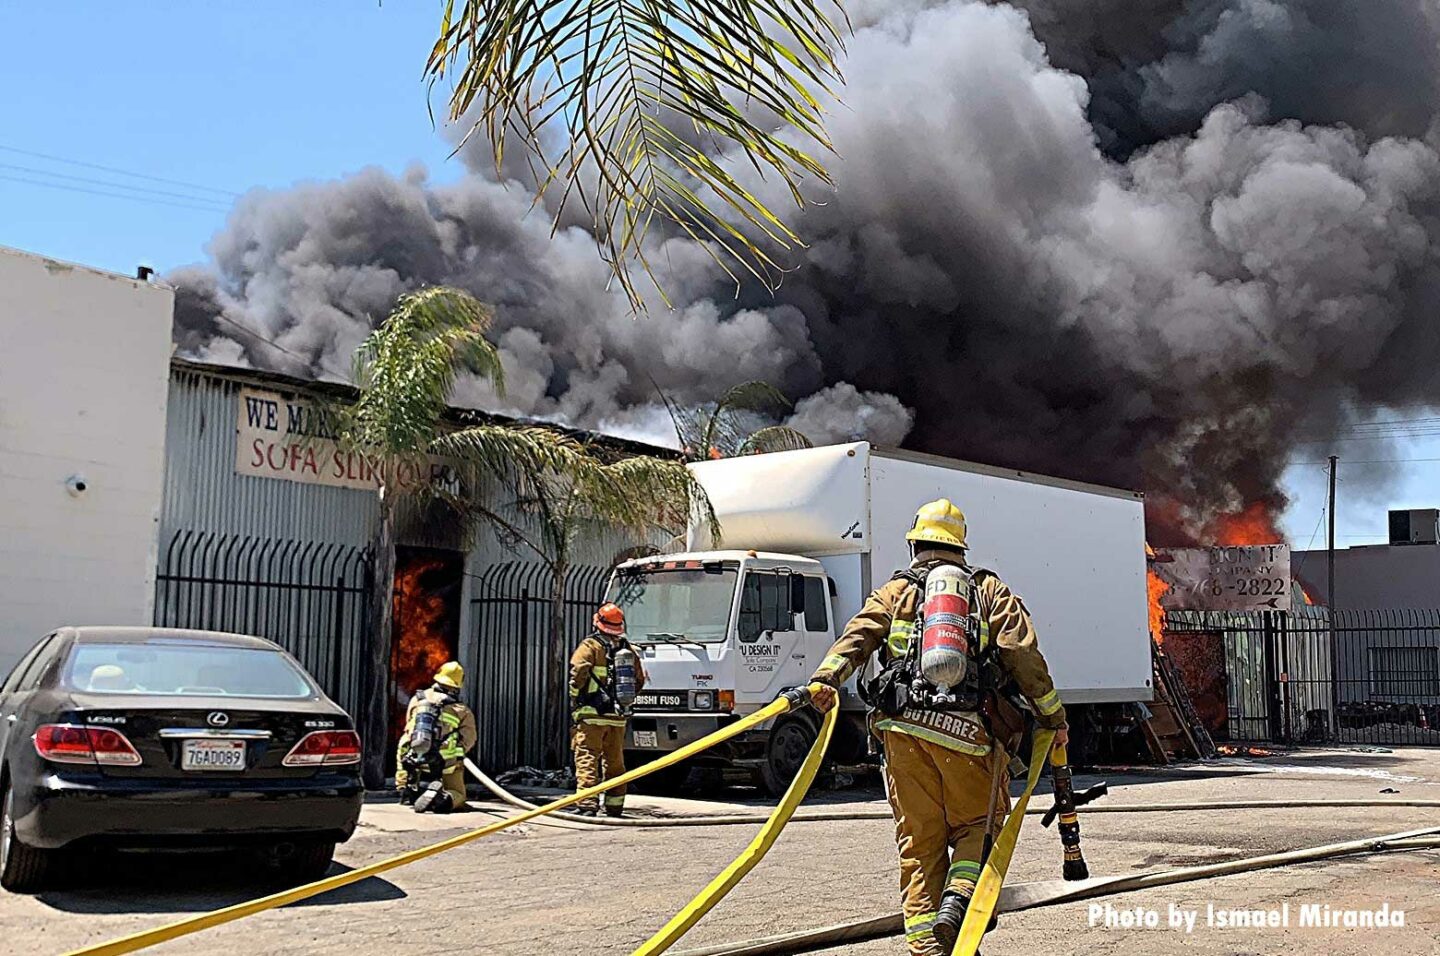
(609, 619)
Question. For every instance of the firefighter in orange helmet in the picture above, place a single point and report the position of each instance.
(605, 674)
(947, 748)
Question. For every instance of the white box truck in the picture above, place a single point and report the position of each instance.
(806, 535)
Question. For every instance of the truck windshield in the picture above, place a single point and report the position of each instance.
(668, 603)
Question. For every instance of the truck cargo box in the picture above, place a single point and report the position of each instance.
(1074, 552)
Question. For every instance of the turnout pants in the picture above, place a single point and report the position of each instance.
(599, 756)
(940, 798)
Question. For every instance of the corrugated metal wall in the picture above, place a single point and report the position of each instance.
(204, 493)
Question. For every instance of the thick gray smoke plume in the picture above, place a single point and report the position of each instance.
(1174, 321)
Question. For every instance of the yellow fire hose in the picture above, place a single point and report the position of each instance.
(706, 899)
(992, 873)
(194, 924)
(1026, 896)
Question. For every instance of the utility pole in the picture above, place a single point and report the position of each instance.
(1330, 604)
(1330, 546)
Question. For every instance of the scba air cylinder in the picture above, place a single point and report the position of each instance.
(623, 667)
(945, 642)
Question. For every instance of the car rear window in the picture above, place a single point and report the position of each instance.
(158, 668)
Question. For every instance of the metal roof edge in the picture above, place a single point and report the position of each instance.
(974, 467)
(292, 383)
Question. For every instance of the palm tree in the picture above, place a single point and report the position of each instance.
(723, 429)
(405, 371)
(582, 495)
(649, 93)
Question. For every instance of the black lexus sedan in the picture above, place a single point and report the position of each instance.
(149, 738)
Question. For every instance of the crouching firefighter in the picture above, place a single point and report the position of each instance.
(439, 732)
(605, 676)
(960, 670)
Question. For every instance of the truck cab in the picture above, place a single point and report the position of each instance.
(721, 634)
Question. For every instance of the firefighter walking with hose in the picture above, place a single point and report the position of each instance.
(439, 732)
(605, 676)
(960, 673)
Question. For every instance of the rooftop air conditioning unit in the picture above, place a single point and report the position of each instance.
(1415, 526)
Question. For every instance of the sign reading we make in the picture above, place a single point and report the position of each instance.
(280, 437)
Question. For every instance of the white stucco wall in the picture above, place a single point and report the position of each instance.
(84, 366)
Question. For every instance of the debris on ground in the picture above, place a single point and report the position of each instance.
(1241, 750)
(563, 779)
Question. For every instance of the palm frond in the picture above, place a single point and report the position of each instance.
(510, 453)
(754, 396)
(623, 77)
(723, 429)
(774, 438)
(644, 493)
(406, 369)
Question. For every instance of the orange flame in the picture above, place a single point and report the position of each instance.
(420, 645)
(1155, 589)
(1231, 750)
(1253, 524)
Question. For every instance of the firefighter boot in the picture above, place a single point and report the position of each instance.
(950, 917)
(434, 799)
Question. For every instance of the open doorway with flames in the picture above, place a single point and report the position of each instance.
(426, 622)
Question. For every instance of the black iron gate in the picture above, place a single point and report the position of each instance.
(511, 623)
(1387, 676)
(1377, 682)
(308, 597)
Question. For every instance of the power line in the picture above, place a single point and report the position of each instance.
(277, 346)
(1369, 461)
(1311, 543)
(218, 206)
(110, 195)
(123, 172)
(1419, 426)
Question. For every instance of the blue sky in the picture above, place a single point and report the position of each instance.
(229, 96)
(222, 95)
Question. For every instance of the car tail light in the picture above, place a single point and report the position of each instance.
(70, 743)
(325, 748)
(727, 700)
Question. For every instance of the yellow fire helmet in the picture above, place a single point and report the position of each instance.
(450, 674)
(939, 522)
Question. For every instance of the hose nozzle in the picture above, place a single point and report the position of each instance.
(798, 697)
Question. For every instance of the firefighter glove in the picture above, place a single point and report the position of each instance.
(823, 697)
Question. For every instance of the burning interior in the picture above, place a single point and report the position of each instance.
(426, 623)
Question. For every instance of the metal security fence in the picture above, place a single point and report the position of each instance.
(310, 598)
(1377, 682)
(510, 614)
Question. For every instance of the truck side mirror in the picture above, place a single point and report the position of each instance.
(797, 594)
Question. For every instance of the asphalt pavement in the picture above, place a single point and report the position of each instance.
(546, 890)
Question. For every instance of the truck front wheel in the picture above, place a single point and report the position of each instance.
(789, 742)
